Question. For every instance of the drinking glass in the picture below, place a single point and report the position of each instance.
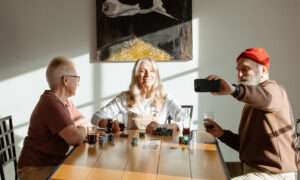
(92, 135)
(186, 127)
(121, 126)
(208, 116)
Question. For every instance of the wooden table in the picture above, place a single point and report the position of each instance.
(154, 158)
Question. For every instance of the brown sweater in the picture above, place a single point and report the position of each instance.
(266, 139)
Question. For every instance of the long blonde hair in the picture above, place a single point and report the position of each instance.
(133, 95)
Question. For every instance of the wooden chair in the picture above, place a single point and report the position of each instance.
(188, 110)
(7, 145)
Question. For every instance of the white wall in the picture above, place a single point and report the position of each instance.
(34, 31)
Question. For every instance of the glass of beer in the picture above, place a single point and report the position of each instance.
(208, 116)
(186, 127)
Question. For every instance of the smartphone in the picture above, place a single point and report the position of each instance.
(204, 85)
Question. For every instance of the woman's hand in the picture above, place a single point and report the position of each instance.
(115, 126)
(151, 126)
(103, 123)
(173, 126)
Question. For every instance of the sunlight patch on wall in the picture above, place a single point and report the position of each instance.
(196, 32)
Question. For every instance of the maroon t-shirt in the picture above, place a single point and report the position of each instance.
(43, 146)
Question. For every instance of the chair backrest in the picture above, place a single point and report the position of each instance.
(188, 110)
(298, 133)
(7, 145)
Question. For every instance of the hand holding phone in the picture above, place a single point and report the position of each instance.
(204, 85)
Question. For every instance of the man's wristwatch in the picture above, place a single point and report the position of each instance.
(237, 90)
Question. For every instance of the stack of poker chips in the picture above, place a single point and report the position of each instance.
(124, 135)
(103, 139)
(169, 132)
(162, 131)
(141, 134)
(109, 126)
(108, 130)
(186, 140)
(134, 141)
(111, 137)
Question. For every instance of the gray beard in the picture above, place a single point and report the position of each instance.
(251, 81)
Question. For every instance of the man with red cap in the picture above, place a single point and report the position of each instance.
(266, 139)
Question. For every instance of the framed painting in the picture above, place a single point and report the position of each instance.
(131, 29)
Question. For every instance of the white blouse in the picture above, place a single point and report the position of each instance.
(119, 106)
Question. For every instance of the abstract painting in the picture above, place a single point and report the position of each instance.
(131, 29)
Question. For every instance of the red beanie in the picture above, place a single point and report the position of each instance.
(258, 55)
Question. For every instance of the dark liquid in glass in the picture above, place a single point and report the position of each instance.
(109, 123)
(186, 131)
(209, 126)
(121, 126)
(92, 138)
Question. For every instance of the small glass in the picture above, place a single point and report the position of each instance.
(121, 126)
(109, 123)
(208, 116)
(92, 135)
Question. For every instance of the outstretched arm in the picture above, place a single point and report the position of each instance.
(230, 139)
(113, 108)
(226, 87)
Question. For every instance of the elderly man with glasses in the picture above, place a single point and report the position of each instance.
(55, 123)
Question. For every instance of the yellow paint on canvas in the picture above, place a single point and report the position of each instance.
(136, 49)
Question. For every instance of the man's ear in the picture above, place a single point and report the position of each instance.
(264, 71)
(64, 80)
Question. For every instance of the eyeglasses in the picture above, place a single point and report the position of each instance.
(73, 76)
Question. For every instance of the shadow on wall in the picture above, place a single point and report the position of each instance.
(33, 34)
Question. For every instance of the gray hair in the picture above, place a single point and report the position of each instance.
(260, 67)
(57, 68)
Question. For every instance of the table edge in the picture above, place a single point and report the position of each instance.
(58, 166)
(222, 161)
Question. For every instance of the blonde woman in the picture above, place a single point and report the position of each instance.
(145, 105)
